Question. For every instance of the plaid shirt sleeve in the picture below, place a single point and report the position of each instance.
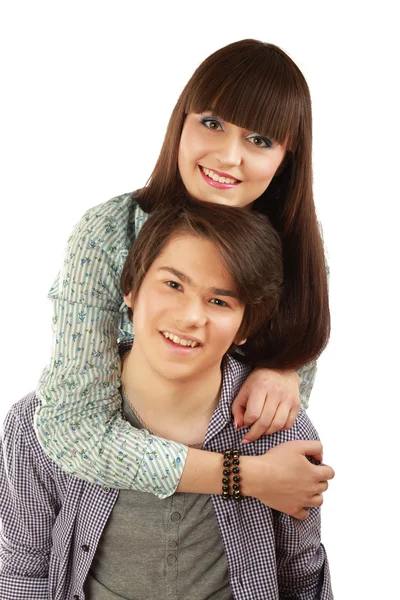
(303, 569)
(27, 494)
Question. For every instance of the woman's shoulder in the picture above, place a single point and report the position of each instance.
(115, 219)
(116, 208)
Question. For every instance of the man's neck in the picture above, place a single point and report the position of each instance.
(174, 409)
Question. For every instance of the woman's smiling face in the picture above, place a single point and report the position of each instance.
(222, 163)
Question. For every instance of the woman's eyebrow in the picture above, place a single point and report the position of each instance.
(186, 279)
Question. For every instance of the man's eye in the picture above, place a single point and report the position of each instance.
(218, 302)
(260, 141)
(211, 123)
(174, 284)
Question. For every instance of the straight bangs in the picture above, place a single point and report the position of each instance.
(252, 85)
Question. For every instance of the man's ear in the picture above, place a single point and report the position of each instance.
(128, 300)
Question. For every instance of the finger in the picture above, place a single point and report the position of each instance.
(262, 424)
(322, 486)
(325, 473)
(238, 417)
(280, 418)
(255, 432)
(317, 500)
(239, 406)
(310, 448)
(301, 514)
(254, 408)
(294, 411)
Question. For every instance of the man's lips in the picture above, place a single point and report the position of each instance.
(181, 340)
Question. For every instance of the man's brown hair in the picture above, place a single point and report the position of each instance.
(248, 244)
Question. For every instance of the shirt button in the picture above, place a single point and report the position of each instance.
(85, 548)
(76, 597)
(172, 544)
(175, 516)
(171, 559)
(106, 490)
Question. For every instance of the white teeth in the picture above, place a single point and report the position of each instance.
(177, 340)
(216, 177)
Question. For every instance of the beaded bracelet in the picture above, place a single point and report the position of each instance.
(228, 456)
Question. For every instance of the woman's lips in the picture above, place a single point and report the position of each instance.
(217, 184)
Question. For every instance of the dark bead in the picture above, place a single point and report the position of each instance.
(237, 498)
(235, 486)
(225, 481)
(228, 454)
(236, 461)
(235, 470)
(235, 452)
(226, 472)
(225, 496)
(227, 463)
(225, 488)
(236, 479)
(236, 493)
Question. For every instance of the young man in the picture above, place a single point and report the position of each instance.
(201, 280)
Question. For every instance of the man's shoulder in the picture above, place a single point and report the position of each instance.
(305, 429)
(19, 425)
(23, 410)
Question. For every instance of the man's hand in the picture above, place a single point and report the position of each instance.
(269, 400)
(284, 478)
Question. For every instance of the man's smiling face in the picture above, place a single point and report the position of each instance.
(186, 314)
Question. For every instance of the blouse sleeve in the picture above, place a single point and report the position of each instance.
(79, 423)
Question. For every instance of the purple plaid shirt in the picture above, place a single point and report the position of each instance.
(52, 522)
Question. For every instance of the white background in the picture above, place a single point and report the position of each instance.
(86, 92)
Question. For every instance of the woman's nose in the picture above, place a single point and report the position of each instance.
(229, 151)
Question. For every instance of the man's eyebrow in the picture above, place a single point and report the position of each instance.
(221, 292)
(186, 279)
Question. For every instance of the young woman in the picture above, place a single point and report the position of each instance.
(240, 135)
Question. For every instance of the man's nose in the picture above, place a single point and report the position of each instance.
(191, 314)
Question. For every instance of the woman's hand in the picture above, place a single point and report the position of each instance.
(269, 400)
(284, 478)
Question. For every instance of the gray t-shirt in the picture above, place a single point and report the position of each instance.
(154, 549)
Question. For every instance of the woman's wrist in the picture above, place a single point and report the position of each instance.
(203, 473)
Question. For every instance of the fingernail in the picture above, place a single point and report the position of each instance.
(245, 441)
(236, 425)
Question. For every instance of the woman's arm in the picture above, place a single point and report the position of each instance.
(79, 424)
(283, 478)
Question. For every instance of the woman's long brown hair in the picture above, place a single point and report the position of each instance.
(257, 86)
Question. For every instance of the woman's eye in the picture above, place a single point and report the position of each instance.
(174, 284)
(212, 124)
(218, 302)
(260, 141)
